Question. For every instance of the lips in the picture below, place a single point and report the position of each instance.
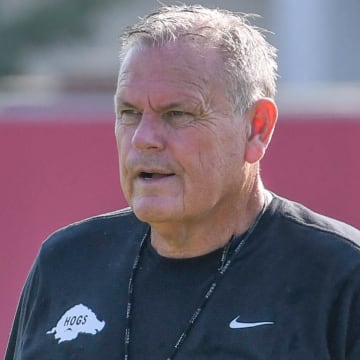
(146, 170)
(154, 175)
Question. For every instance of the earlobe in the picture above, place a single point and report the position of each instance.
(263, 119)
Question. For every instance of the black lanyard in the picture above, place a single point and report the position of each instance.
(226, 260)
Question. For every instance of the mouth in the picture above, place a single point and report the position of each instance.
(149, 175)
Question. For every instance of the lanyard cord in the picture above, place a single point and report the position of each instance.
(225, 264)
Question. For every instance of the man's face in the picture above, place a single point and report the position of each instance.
(181, 148)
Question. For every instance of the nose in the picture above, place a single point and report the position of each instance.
(149, 134)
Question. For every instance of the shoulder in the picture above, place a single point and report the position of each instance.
(308, 234)
(104, 230)
(306, 221)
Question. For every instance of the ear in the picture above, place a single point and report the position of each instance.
(263, 116)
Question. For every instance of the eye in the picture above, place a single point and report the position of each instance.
(178, 117)
(129, 117)
(175, 113)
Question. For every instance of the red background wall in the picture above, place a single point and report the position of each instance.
(58, 171)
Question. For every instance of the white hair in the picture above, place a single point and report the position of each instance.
(249, 60)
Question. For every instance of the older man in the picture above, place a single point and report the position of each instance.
(206, 263)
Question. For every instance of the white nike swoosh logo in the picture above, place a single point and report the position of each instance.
(235, 324)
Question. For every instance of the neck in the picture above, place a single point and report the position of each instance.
(185, 240)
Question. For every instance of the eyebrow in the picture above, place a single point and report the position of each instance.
(119, 102)
(168, 106)
(172, 105)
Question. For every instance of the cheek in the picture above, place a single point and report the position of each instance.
(224, 152)
(204, 167)
(223, 161)
(124, 137)
(233, 147)
(123, 143)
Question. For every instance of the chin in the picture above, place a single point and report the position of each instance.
(152, 211)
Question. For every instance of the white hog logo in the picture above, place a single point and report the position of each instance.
(78, 319)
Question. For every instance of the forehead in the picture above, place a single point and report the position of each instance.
(176, 67)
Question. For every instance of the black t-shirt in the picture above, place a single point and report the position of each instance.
(166, 294)
(292, 293)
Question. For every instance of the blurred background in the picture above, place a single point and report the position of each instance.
(58, 67)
